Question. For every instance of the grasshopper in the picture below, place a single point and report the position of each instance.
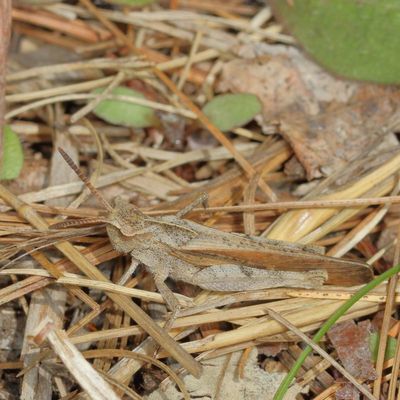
(175, 247)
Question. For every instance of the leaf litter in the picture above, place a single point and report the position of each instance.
(326, 138)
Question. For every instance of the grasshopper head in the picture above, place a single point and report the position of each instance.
(123, 223)
(126, 218)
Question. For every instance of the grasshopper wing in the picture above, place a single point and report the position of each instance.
(267, 254)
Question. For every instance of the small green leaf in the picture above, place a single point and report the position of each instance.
(119, 112)
(229, 111)
(374, 345)
(353, 38)
(13, 155)
(133, 3)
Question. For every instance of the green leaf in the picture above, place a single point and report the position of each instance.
(229, 111)
(374, 346)
(355, 39)
(133, 3)
(119, 112)
(13, 155)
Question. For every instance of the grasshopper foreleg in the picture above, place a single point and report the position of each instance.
(129, 272)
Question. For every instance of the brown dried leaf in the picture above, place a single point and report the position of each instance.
(352, 345)
(340, 133)
(284, 80)
(271, 349)
(327, 121)
(347, 392)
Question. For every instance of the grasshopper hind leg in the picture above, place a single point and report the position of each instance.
(166, 293)
(232, 277)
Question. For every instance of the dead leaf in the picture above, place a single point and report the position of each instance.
(283, 79)
(352, 345)
(347, 392)
(271, 349)
(328, 121)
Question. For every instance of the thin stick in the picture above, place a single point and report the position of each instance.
(395, 372)
(321, 352)
(193, 51)
(131, 62)
(389, 306)
(5, 32)
(281, 206)
(221, 376)
(286, 205)
(73, 88)
(50, 21)
(85, 96)
(76, 280)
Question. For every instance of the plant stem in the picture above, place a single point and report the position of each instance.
(328, 324)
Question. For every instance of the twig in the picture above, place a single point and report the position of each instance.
(85, 96)
(72, 28)
(192, 53)
(131, 62)
(5, 32)
(287, 205)
(71, 279)
(390, 304)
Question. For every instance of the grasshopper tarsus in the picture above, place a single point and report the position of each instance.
(201, 199)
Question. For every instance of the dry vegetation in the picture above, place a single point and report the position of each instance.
(308, 171)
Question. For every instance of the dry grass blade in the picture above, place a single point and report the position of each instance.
(389, 307)
(83, 372)
(296, 224)
(5, 31)
(69, 279)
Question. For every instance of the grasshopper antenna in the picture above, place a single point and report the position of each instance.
(84, 179)
(77, 222)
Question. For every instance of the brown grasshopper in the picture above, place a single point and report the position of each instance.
(171, 246)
